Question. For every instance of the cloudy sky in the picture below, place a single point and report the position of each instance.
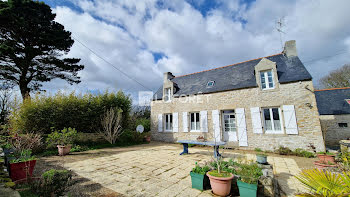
(146, 38)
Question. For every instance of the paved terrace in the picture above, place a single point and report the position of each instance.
(157, 169)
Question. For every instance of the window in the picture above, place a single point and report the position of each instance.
(195, 121)
(229, 121)
(210, 84)
(343, 125)
(167, 94)
(168, 122)
(272, 120)
(266, 79)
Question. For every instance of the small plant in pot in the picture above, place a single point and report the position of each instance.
(21, 165)
(326, 157)
(249, 175)
(199, 178)
(220, 180)
(63, 139)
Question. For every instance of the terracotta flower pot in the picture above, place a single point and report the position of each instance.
(221, 185)
(326, 158)
(19, 171)
(319, 165)
(63, 150)
(148, 138)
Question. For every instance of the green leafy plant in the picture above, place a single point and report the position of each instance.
(53, 182)
(325, 153)
(303, 153)
(249, 173)
(22, 156)
(200, 169)
(258, 150)
(284, 151)
(63, 137)
(261, 154)
(78, 148)
(325, 183)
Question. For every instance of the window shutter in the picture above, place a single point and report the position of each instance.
(290, 120)
(241, 127)
(204, 121)
(216, 124)
(160, 122)
(185, 121)
(256, 119)
(175, 122)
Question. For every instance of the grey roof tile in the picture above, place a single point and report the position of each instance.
(332, 102)
(237, 76)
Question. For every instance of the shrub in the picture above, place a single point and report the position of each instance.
(284, 151)
(258, 150)
(249, 173)
(21, 142)
(63, 137)
(146, 123)
(53, 182)
(130, 136)
(200, 169)
(21, 156)
(303, 153)
(111, 125)
(82, 112)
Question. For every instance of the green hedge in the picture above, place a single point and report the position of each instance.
(82, 112)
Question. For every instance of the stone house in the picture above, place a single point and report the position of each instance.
(334, 110)
(261, 103)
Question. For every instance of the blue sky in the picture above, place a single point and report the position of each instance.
(146, 38)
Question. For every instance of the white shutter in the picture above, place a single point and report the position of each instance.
(216, 125)
(256, 120)
(241, 127)
(175, 122)
(160, 122)
(185, 121)
(204, 121)
(290, 120)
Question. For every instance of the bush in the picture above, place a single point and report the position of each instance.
(284, 151)
(146, 123)
(82, 112)
(200, 169)
(303, 153)
(258, 150)
(130, 136)
(63, 137)
(53, 182)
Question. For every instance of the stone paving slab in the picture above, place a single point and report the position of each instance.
(161, 171)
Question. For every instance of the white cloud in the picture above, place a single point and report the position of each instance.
(126, 33)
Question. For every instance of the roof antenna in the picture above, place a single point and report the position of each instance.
(279, 26)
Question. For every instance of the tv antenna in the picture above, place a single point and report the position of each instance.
(279, 26)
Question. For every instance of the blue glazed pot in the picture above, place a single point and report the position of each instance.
(262, 159)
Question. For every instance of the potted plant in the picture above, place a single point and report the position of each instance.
(326, 157)
(147, 137)
(220, 181)
(63, 139)
(200, 139)
(21, 165)
(261, 158)
(249, 175)
(199, 178)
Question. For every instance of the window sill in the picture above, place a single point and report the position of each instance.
(169, 131)
(195, 131)
(274, 132)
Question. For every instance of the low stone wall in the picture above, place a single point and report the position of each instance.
(344, 146)
(268, 185)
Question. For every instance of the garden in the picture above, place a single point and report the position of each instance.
(62, 124)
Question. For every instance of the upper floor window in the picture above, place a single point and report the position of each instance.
(272, 120)
(168, 122)
(343, 125)
(210, 84)
(167, 92)
(266, 79)
(194, 119)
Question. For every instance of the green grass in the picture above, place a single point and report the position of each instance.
(222, 174)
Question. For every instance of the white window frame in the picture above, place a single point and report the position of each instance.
(195, 120)
(170, 123)
(168, 94)
(223, 120)
(210, 82)
(267, 82)
(273, 131)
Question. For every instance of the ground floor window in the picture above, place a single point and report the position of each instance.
(168, 122)
(194, 119)
(229, 120)
(272, 120)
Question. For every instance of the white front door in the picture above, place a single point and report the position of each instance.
(229, 125)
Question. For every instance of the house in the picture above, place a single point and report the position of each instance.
(261, 103)
(334, 110)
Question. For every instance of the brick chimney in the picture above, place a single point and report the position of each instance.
(290, 48)
(167, 76)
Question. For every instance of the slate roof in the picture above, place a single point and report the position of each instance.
(237, 76)
(332, 101)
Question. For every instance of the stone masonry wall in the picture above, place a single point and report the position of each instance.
(298, 94)
(334, 133)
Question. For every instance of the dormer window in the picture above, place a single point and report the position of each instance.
(210, 84)
(266, 79)
(167, 92)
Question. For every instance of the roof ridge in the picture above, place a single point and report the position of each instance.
(228, 65)
(333, 89)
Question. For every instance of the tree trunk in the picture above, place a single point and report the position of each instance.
(24, 91)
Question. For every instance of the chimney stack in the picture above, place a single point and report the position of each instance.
(167, 76)
(290, 48)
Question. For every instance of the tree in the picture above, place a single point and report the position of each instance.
(338, 78)
(5, 102)
(32, 46)
(111, 125)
